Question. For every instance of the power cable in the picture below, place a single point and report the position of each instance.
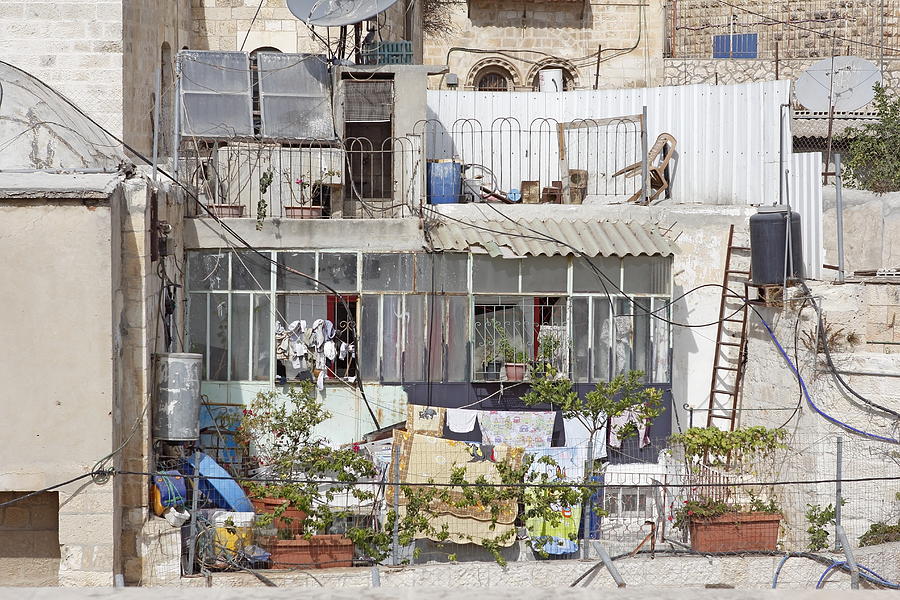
(252, 21)
(92, 474)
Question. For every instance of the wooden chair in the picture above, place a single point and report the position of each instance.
(657, 172)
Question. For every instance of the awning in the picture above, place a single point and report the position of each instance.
(549, 237)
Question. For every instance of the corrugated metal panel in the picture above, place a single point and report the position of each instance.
(728, 135)
(805, 197)
(527, 237)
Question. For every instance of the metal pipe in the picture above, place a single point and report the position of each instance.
(838, 491)
(839, 209)
(156, 104)
(195, 499)
(610, 565)
(781, 152)
(848, 553)
(395, 543)
(588, 503)
(176, 128)
(867, 373)
(645, 166)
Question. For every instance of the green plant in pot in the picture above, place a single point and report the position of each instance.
(278, 430)
(492, 362)
(513, 358)
(728, 518)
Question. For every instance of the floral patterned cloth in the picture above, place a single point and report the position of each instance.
(532, 429)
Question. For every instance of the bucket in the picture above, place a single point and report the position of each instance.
(176, 410)
(444, 181)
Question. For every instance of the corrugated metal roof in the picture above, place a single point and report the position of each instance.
(529, 237)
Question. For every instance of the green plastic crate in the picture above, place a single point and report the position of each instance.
(387, 53)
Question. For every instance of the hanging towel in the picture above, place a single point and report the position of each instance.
(329, 350)
(342, 353)
(329, 330)
(617, 422)
(425, 420)
(578, 436)
(525, 429)
(461, 420)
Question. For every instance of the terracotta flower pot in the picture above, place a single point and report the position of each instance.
(734, 532)
(291, 520)
(303, 212)
(515, 371)
(318, 552)
(225, 211)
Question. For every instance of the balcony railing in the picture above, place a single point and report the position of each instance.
(354, 178)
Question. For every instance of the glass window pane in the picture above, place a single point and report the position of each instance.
(504, 332)
(196, 327)
(305, 262)
(262, 336)
(391, 332)
(387, 272)
(495, 274)
(250, 271)
(413, 340)
(207, 270)
(586, 279)
(458, 339)
(240, 337)
(642, 353)
(338, 270)
(602, 340)
(450, 272)
(660, 343)
(218, 337)
(647, 274)
(545, 274)
(369, 337)
(580, 339)
(624, 335)
(436, 338)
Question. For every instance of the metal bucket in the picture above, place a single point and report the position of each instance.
(176, 408)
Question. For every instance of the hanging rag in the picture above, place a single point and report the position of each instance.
(318, 329)
(520, 429)
(320, 380)
(342, 353)
(329, 350)
(578, 436)
(568, 466)
(329, 330)
(461, 420)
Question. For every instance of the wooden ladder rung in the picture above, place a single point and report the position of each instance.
(725, 368)
(744, 248)
(729, 344)
(726, 392)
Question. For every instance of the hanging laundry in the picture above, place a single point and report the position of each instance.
(318, 329)
(342, 353)
(461, 420)
(329, 350)
(520, 429)
(567, 466)
(616, 423)
(425, 420)
(568, 463)
(578, 436)
(320, 380)
(329, 330)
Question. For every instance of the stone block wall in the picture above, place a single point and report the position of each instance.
(800, 28)
(75, 47)
(29, 540)
(522, 38)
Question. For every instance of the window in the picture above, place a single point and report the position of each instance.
(628, 502)
(735, 45)
(493, 79)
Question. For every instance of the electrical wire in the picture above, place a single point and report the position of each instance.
(92, 474)
(252, 21)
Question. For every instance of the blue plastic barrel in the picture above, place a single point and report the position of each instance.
(444, 182)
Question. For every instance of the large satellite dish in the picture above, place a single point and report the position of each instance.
(845, 82)
(336, 13)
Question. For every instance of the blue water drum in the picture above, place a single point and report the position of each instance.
(444, 182)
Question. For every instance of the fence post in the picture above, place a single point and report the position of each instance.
(645, 165)
(838, 468)
(839, 211)
(395, 542)
(195, 499)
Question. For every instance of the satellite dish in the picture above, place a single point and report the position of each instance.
(845, 82)
(336, 13)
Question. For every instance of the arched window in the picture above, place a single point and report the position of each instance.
(568, 79)
(493, 79)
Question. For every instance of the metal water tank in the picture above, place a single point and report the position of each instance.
(176, 408)
(768, 230)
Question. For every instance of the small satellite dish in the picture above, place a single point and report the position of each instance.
(336, 13)
(845, 82)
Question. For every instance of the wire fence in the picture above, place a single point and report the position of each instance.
(482, 501)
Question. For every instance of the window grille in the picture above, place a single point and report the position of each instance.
(368, 101)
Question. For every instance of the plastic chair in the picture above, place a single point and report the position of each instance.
(657, 172)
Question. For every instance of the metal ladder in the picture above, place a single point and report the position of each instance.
(731, 338)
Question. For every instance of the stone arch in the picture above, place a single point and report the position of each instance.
(570, 72)
(494, 64)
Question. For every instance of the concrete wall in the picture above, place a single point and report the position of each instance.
(871, 230)
(58, 364)
(630, 33)
(75, 47)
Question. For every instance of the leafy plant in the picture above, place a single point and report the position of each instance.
(548, 347)
(510, 353)
(737, 451)
(880, 533)
(708, 508)
(873, 160)
(830, 337)
(818, 518)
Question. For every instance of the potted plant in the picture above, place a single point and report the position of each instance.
(548, 351)
(209, 184)
(513, 358)
(312, 196)
(278, 430)
(718, 519)
(492, 362)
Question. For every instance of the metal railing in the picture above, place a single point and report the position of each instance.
(353, 178)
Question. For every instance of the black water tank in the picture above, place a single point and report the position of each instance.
(768, 229)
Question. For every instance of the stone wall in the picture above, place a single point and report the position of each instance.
(29, 540)
(522, 38)
(857, 24)
(75, 47)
